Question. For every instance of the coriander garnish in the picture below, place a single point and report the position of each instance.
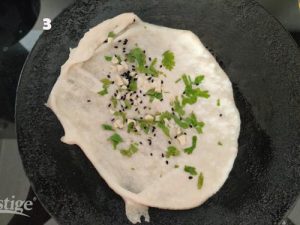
(122, 115)
(191, 94)
(190, 169)
(190, 150)
(172, 151)
(218, 102)
(130, 151)
(178, 107)
(154, 94)
(107, 127)
(105, 84)
(168, 60)
(111, 34)
(108, 58)
(220, 143)
(200, 181)
(115, 139)
(114, 101)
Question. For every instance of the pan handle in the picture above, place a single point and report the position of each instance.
(37, 216)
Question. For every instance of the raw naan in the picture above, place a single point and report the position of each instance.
(143, 175)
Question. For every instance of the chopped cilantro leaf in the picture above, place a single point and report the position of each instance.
(168, 60)
(111, 34)
(145, 125)
(107, 127)
(190, 150)
(130, 151)
(114, 101)
(220, 143)
(121, 114)
(154, 94)
(172, 151)
(164, 128)
(200, 181)
(192, 121)
(191, 170)
(132, 85)
(130, 127)
(178, 80)
(127, 104)
(108, 58)
(190, 94)
(218, 102)
(106, 82)
(151, 70)
(115, 139)
(198, 79)
(178, 107)
(137, 55)
(103, 92)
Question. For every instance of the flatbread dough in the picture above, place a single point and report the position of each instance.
(145, 179)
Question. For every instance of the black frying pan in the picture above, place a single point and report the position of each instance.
(263, 64)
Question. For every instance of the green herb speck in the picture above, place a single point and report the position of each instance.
(107, 127)
(200, 181)
(115, 139)
(172, 151)
(190, 169)
(168, 60)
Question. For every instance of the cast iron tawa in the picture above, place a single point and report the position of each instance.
(263, 64)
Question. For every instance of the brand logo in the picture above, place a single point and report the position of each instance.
(18, 207)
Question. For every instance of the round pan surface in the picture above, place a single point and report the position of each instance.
(263, 64)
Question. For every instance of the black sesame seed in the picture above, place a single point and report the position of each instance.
(172, 109)
(221, 115)
(116, 47)
(149, 58)
(145, 107)
(151, 154)
(112, 82)
(141, 143)
(175, 136)
(108, 76)
(136, 109)
(144, 95)
(190, 177)
(160, 66)
(113, 119)
(169, 142)
(191, 126)
(88, 100)
(141, 102)
(144, 51)
(119, 40)
(105, 41)
(154, 134)
(161, 100)
(167, 162)
(109, 105)
(161, 81)
(184, 133)
(162, 155)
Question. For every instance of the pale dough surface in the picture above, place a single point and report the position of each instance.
(152, 183)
